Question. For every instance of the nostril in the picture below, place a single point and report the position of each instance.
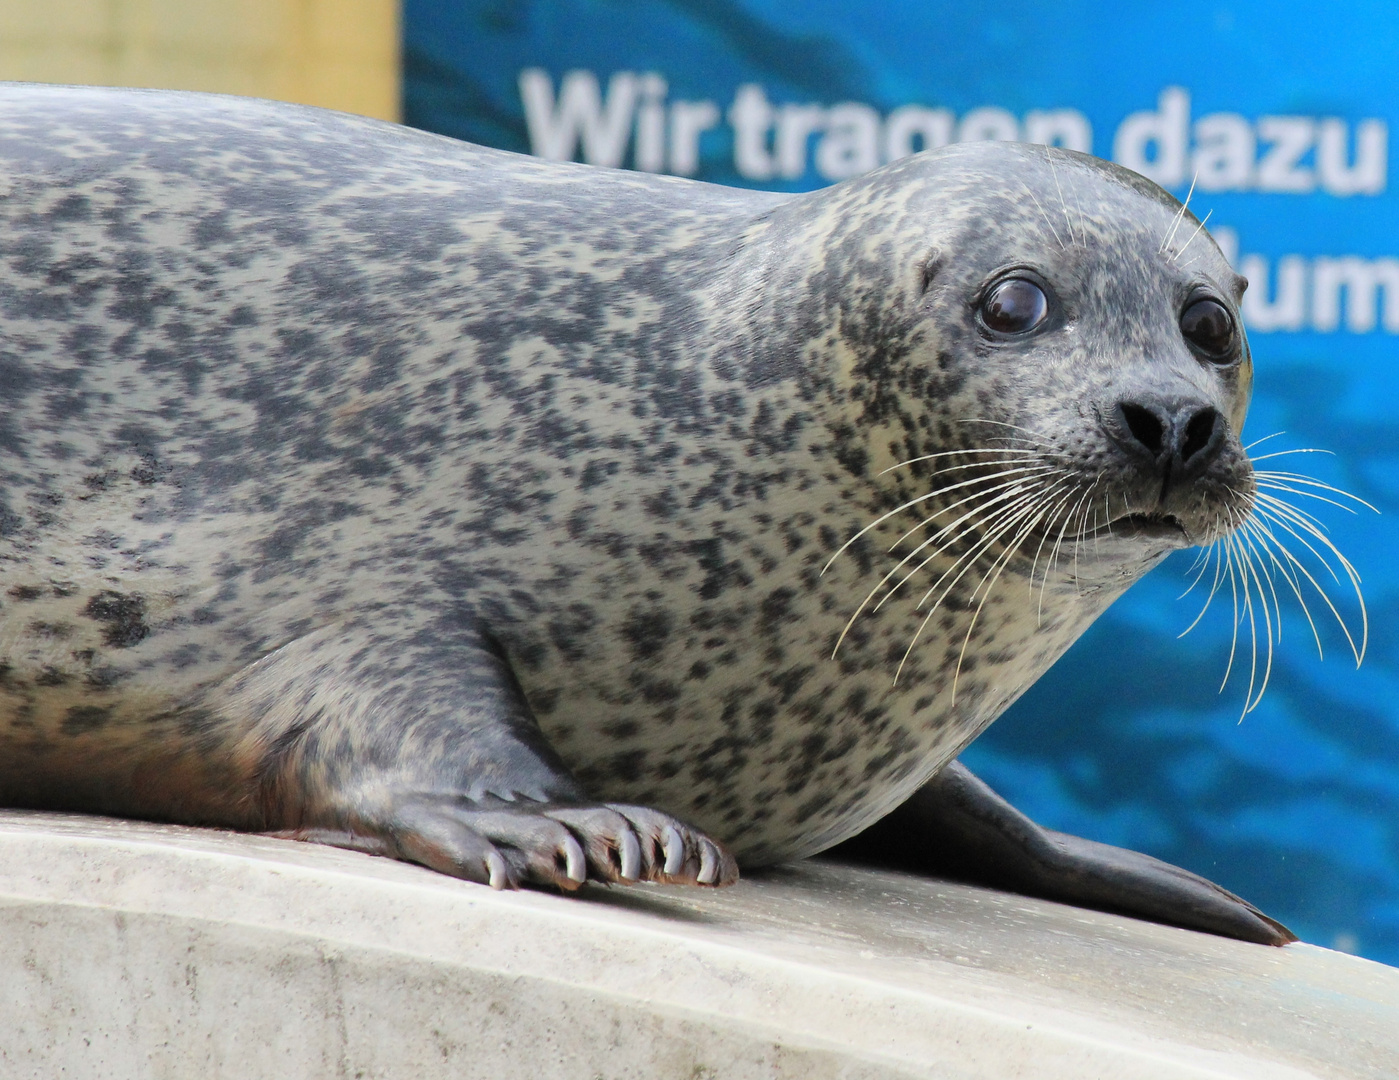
(1199, 432)
(1146, 427)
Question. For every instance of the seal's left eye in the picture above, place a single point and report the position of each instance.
(1014, 306)
(1208, 326)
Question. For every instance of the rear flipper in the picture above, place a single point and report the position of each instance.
(426, 750)
(957, 827)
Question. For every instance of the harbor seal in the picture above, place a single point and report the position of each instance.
(541, 523)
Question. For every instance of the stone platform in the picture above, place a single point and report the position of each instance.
(131, 950)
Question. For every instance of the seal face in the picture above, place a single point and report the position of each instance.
(361, 482)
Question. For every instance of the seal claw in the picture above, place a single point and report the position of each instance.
(709, 865)
(674, 846)
(631, 856)
(498, 875)
(576, 862)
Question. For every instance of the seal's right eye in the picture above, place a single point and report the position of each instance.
(1014, 306)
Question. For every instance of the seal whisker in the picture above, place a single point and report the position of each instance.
(1051, 562)
(1234, 593)
(1274, 485)
(1276, 516)
(1198, 230)
(1083, 524)
(1248, 570)
(1068, 222)
(944, 537)
(941, 534)
(1284, 453)
(1198, 569)
(1262, 523)
(1028, 475)
(1052, 229)
(907, 506)
(1263, 498)
(1265, 538)
(1260, 567)
(1044, 538)
(994, 573)
(993, 529)
(1257, 442)
(1035, 436)
(1278, 510)
(1280, 480)
(1082, 218)
(1179, 215)
(1218, 551)
(1059, 541)
(1007, 523)
(1202, 561)
(955, 453)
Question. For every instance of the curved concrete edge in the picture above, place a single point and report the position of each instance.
(141, 950)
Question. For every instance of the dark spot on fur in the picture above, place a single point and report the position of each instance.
(81, 719)
(26, 592)
(149, 471)
(647, 631)
(629, 766)
(124, 615)
(104, 678)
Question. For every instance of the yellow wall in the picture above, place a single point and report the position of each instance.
(342, 54)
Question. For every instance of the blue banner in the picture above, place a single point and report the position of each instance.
(1277, 119)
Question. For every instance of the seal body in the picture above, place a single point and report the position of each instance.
(356, 479)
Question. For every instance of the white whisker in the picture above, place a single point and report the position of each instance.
(1179, 215)
(1198, 230)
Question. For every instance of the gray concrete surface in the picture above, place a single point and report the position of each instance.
(132, 950)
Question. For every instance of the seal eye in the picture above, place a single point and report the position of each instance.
(1208, 326)
(1014, 306)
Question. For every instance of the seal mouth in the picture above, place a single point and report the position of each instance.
(1145, 527)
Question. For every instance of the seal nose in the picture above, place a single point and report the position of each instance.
(1180, 438)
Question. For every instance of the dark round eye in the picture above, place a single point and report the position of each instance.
(1208, 326)
(1014, 306)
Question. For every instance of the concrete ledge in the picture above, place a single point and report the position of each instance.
(131, 950)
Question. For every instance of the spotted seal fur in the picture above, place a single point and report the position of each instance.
(365, 485)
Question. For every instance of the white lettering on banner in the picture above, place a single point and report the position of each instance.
(912, 128)
(1362, 279)
(688, 121)
(751, 117)
(1154, 143)
(1280, 168)
(1223, 151)
(554, 133)
(1322, 294)
(769, 141)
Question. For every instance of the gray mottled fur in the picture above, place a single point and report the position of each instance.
(327, 443)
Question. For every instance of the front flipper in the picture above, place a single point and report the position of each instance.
(425, 750)
(957, 827)
(506, 845)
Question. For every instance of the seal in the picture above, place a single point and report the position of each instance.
(540, 523)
